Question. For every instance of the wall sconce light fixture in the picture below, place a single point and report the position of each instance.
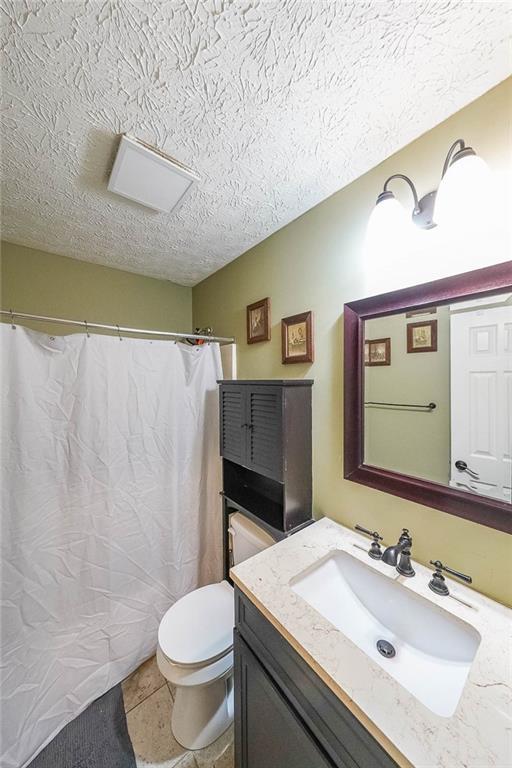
(461, 168)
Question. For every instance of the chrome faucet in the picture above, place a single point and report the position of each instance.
(390, 556)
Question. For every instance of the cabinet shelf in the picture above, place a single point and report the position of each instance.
(258, 494)
(235, 506)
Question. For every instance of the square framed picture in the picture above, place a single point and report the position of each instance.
(258, 321)
(297, 338)
(377, 352)
(422, 337)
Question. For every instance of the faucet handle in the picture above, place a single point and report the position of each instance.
(438, 583)
(375, 534)
(375, 551)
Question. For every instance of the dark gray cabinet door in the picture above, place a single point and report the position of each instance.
(233, 423)
(271, 734)
(264, 431)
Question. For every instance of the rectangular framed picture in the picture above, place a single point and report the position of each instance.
(258, 321)
(377, 352)
(422, 337)
(297, 338)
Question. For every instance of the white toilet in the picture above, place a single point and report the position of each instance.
(195, 648)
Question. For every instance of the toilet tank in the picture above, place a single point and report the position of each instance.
(247, 538)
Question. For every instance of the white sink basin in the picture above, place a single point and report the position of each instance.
(434, 650)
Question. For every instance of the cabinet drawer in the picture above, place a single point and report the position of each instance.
(340, 734)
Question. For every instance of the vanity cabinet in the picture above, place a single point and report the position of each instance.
(265, 444)
(285, 715)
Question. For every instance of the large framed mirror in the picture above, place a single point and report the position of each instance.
(428, 394)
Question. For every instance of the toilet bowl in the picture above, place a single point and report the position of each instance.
(195, 648)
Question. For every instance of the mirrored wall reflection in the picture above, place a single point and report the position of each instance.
(438, 394)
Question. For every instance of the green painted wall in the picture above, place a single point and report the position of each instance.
(315, 263)
(412, 442)
(41, 283)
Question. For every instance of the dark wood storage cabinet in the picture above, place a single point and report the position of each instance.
(285, 715)
(265, 443)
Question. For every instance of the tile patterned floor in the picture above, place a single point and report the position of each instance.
(148, 702)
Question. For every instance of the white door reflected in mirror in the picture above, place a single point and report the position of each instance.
(481, 401)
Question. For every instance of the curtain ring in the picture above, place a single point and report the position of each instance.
(87, 329)
(12, 320)
(119, 333)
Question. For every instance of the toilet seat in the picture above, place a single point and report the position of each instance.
(198, 629)
(194, 676)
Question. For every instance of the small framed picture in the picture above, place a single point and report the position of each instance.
(421, 312)
(422, 337)
(377, 352)
(258, 321)
(297, 338)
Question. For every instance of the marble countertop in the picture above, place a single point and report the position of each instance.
(478, 735)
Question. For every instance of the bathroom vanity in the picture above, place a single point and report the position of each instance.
(312, 690)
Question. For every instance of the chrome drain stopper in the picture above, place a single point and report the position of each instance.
(385, 649)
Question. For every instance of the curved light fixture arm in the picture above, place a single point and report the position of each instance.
(461, 145)
(411, 185)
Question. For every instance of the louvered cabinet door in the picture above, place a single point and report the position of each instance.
(233, 432)
(264, 431)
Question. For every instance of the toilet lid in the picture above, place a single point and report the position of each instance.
(199, 627)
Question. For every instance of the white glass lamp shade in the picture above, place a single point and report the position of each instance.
(388, 246)
(464, 197)
(387, 224)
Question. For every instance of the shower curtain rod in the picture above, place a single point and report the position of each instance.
(118, 329)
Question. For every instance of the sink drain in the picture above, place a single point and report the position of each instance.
(385, 649)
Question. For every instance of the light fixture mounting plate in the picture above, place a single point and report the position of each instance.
(423, 216)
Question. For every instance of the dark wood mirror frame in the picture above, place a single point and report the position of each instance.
(477, 284)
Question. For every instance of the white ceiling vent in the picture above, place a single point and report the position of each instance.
(144, 174)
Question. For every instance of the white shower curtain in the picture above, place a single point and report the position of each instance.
(110, 513)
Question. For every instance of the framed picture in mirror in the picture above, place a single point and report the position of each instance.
(422, 337)
(435, 428)
(377, 352)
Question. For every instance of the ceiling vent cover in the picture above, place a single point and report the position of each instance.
(144, 174)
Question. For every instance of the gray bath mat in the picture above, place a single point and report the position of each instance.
(97, 738)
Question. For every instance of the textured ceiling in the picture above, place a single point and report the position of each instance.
(277, 104)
